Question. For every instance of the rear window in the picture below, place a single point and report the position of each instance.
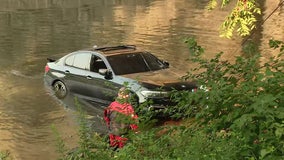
(134, 63)
(80, 60)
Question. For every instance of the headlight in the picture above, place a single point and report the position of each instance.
(154, 94)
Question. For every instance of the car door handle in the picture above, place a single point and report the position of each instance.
(89, 77)
(67, 71)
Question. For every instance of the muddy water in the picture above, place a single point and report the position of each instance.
(32, 30)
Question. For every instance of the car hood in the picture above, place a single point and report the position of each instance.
(166, 78)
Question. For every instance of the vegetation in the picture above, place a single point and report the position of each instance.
(4, 155)
(238, 115)
(90, 146)
(242, 18)
(244, 105)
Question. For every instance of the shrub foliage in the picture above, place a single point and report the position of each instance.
(243, 100)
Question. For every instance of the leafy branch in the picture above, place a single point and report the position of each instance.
(242, 18)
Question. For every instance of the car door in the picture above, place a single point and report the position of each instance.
(103, 89)
(77, 67)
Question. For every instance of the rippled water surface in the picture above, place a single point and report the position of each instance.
(32, 30)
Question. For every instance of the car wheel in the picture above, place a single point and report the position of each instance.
(59, 89)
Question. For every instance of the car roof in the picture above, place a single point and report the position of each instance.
(116, 50)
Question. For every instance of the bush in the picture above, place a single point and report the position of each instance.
(245, 100)
(90, 146)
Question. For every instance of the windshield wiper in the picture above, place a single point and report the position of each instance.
(148, 66)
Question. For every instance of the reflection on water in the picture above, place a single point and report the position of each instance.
(26, 116)
(32, 30)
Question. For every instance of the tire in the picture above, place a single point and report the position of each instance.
(59, 89)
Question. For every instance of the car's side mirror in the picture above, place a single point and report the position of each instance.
(106, 72)
(166, 63)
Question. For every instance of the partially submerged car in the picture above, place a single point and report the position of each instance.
(96, 74)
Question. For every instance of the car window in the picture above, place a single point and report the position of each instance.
(80, 60)
(96, 64)
(134, 63)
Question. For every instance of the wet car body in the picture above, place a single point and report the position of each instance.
(97, 74)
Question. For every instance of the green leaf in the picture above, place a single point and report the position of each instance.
(264, 152)
(279, 131)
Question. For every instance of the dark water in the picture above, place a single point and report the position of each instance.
(32, 30)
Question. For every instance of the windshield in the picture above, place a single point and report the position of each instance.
(135, 63)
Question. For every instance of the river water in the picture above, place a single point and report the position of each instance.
(32, 30)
